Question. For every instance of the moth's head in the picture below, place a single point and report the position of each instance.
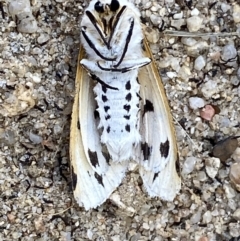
(106, 6)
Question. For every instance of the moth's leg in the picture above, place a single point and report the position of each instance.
(126, 40)
(97, 27)
(93, 42)
(115, 23)
(92, 68)
(127, 65)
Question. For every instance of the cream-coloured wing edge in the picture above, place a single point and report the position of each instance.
(159, 148)
(94, 176)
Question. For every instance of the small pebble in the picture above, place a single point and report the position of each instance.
(229, 52)
(225, 148)
(194, 23)
(236, 13)
(212, 166)
(236, 214)
(207, 217)
(235, 175)
(36, 139)
(188, 41)
(199, 63)
(178, 15)
(203, 239)
(234, 229)
(209, 88)
(196, 103)
(236, 155)
(189, 165)
(207, 112)
(195, 12)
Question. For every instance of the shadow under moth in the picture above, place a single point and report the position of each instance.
(120, 112)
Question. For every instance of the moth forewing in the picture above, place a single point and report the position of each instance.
(158, 135)
(93, 180)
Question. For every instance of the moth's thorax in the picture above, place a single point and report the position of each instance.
(112, 31)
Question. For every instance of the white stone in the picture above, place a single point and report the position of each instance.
(229, 191)
(196, 103)
(209, 88)
(177, 23)
(194, 12)
(212, 166)
(36, 78)
(236, 155)
(194, 23)
(189, 165)
(229, 52)
(235, 80)
(201, 176)
(27, 23)
(43, 38)
(189, 41)
(225, 7)
(199, 63)
(207, 217)
(36, 139)
(15, 6)
(236, 214)
(236, 13)
(178, 15)
(171, 75)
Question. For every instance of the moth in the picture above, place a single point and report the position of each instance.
(120, 111)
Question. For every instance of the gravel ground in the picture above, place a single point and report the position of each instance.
(201, 75)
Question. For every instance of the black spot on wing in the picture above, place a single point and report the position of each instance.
(164, 148)
(127, 128)
(114, 6)
(74, 178)
(146, 150)
(155, 176)
(96, 114)
(148, 107)
(127, 107)
(78, 125)
(107, 157)
(108, 129)
(93, 157)
(106, 108)
(104, 89)
(99, 178)
(107, 117)
(104, 98)
(128, 85)
(127, 117)
(128, 97)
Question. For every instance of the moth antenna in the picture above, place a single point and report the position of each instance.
(95, 24)
(116, 22)
(196, 35)
(127, 42)
(92, 46)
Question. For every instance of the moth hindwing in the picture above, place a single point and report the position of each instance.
(120, 110)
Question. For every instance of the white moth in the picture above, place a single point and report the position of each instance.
(120, 111)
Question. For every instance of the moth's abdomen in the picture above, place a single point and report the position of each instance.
(119, 115)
